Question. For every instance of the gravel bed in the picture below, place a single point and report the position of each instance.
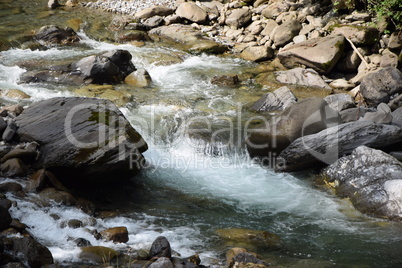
(128, 7)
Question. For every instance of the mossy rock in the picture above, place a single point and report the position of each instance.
(118, 97)
(98, 254)
(250, 238)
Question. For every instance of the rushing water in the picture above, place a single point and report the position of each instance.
(192, 186)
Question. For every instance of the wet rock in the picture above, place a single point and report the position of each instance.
(27, 156)
(17, 225)
(59, 197)
(246, 259)
(74, 223)
(372, 181)
(381, 116)
(133, 35)
(192, 12)
(339, 102)
(285, 32)
(225, 80)
(239, 17)
(194, 40)
(97, 254)
(162, 262)
(301, 77)
(139, 78)
(13, 265)
(75, 149)
(153, 11)
(27, 250)
(118, 97)
(360, 36)
(12, 187)
(52, 4)
(5, 218)
(160, 248)
(10, 131)
(251, 237)
(380, 86)
(54, 35)
(306, 117)
(116, 234)
(278, 100)
(231, 253)
(13, 167)
(257, 53)
(321, 53)
(110, 67)
(328, 145)
(82, 242)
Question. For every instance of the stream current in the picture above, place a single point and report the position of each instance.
(196, 183)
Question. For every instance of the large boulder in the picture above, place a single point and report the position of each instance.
(54, 35)
(360, 36)
(239, 17)
(301, 77)
(28, 251)
(160, 248)
(380, 86)
(82, 139)
(194, 40)
(278, 100)
(257, 53)
(192, 12)
(328, 145)
(320, 53)
(371, 179)
(306, 117)
(110, 67)
(285, 32)
(153, 11)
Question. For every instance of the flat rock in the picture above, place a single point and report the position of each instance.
(86, 138)
(320, 53)
(301, 77)
(278, 100)
(339, 102)
(381, 85)
(372, 181)
(359, 35)
(153, 11)
(328, 145)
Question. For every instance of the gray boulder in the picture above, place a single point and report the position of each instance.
(160, 248)
(192, 12)
(278, 100)
(239, 18)
(82, 139)
(54, 35)
(162, 262)
(382, 115)
(360, 36)
(372, 181)
(328, 145)
(339, 102)
(306, 117)
(301, 77)
(380, 86)
(397, 117)
(285, 32)
(353, 114)
(320, 53)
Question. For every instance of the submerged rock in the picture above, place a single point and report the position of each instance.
(87, 139)
(97, 254)
(372, 181)
(251, 237)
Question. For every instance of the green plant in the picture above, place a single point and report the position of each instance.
(391, 9)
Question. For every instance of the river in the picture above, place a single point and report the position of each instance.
(194, 182)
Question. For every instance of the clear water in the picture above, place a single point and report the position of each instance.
(191, 187)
